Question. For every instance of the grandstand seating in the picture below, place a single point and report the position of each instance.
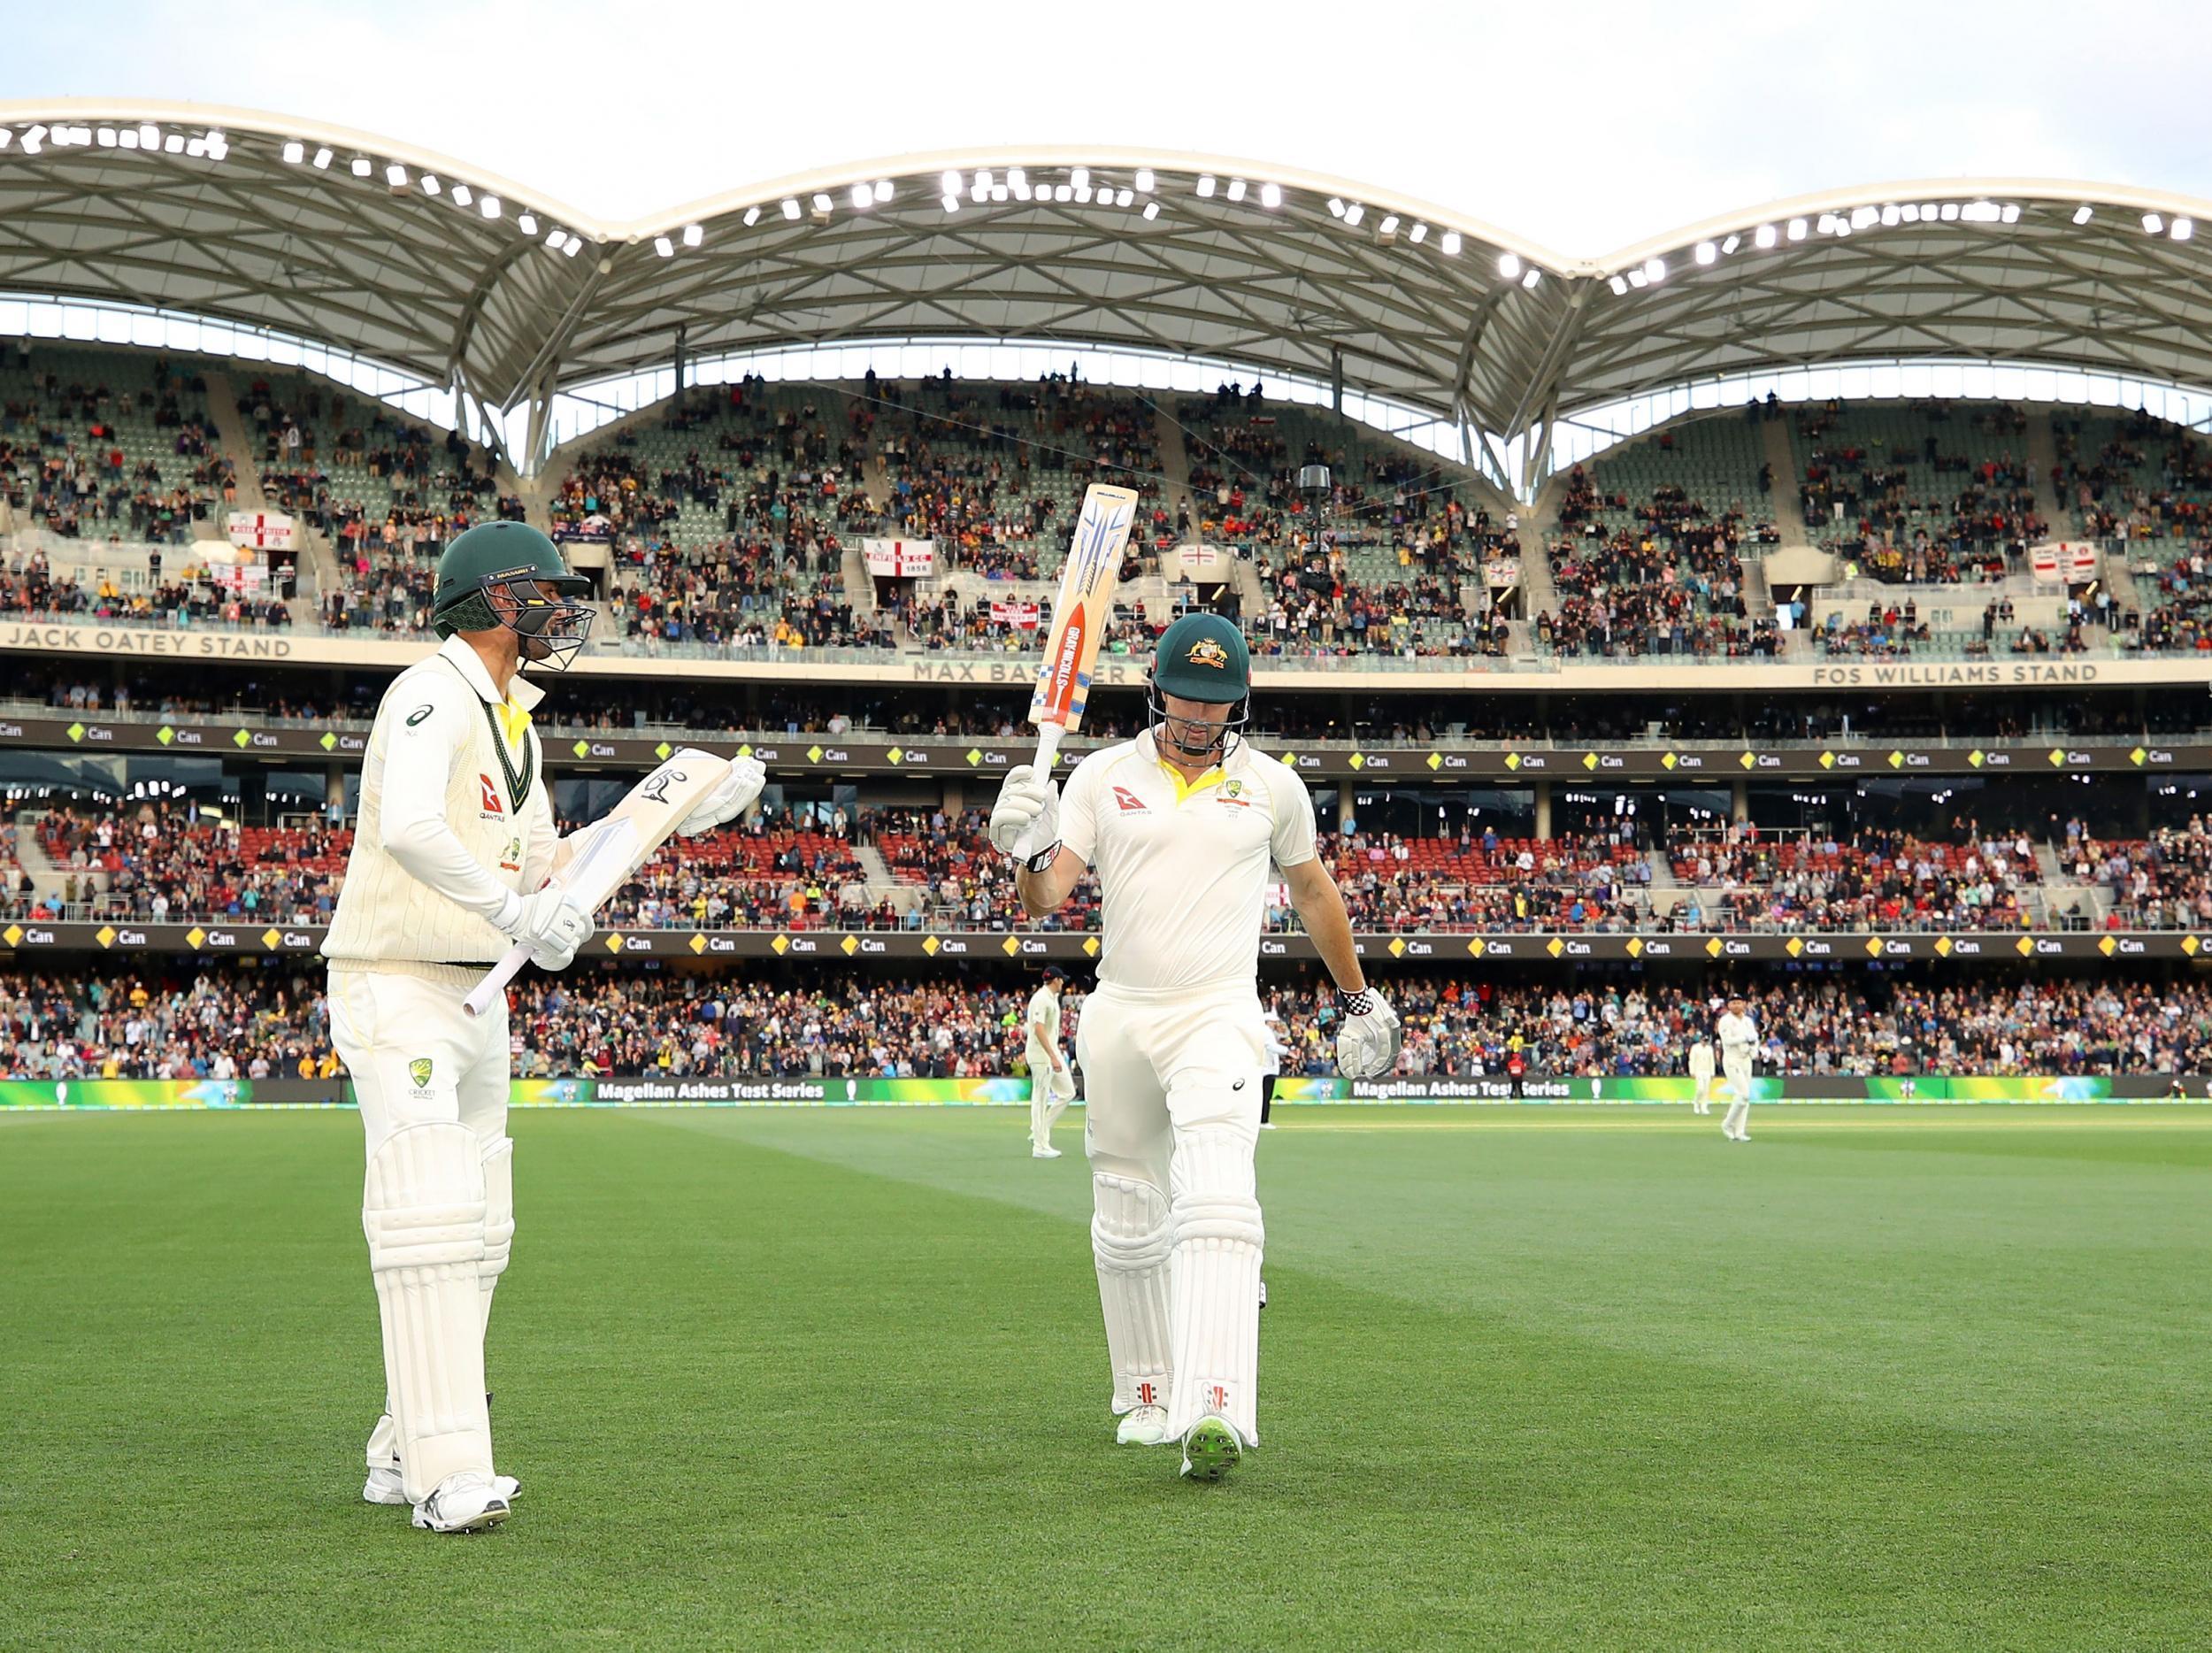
(1920, 493)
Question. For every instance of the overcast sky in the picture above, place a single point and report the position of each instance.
(1582, 127)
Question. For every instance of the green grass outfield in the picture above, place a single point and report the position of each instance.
(1582, 1378)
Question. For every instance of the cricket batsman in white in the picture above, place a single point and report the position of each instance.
(1051, 1087)
(1738, 1037)
(453, 843)
(1702, 1075)
(1182, 823)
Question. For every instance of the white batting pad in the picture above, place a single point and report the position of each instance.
(1129, 1241)
(1215, 1279)
(499, 1217)
(422, 1208)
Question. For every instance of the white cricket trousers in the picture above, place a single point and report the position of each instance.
(1735, 1066)
(437, 1204)
(1048, 1094)
(1171, 1097)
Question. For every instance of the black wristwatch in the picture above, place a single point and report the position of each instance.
(1041, 862)
(1357, 1003)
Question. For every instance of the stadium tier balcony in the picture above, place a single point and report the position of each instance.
(95, 445)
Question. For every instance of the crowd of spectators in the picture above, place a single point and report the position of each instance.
(235, 1021)
(63, 441)
(1876, 879)
(1959, 507)
(2162, 882)
(31, 589)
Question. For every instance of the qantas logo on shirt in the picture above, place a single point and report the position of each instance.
(492, 809)
(1128, 801)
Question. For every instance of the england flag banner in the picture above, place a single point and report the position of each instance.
(263, 530)
(901, 559)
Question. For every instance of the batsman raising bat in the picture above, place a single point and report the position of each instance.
(1182, 823)
(454, 846)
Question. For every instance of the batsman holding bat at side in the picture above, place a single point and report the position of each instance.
(1182, 823)
(454, 844)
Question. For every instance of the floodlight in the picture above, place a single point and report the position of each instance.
(1797, 229)
(528, 224)
(1866, 217)
(694, 233)
(463, 195)
(107, 137)
(148, 135)
(663, 246)
(1144, 181)
(1731, 244)
(1449, 243)
(1619, 285)
(1637, 277)
(362, 168)
(2082, 214)
(824, 205)
(1151, 210)
(1893, 216)
(998, 192)
(752, 215)
(322, 159)
(1205, 183)
(862, 198)
(2182, 229)
(1531, 276)
(791, 207)
(1080, 178)
(883, 189)
(2153, 223)
(951, 201)
(1764, 236)
(294, 152)
(1236, 189)
(395, 175)
(1271, 195)
(430, 184)
(1419, 233)
(950, 183)
(1123, 197)
(1509, 265)
(1707, 252)
(1064, 192)
(1354, 213)
(1389, 225)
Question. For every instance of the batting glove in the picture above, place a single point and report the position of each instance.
(1026, 820)
(727, 801)
(550, 924)
(1367, 1040)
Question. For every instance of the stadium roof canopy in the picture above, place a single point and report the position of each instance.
(508, 297)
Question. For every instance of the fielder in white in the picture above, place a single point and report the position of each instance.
(453, 843)
(1738, 1037)
(1051, 1087)
(1182, 823)
(1701, 1076)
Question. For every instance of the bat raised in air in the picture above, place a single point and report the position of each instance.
(1079, 616)
(611, 849)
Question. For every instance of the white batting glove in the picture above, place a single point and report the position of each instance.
(1026, 820)
(551, 924)
(727, 801)
(1367, 1040)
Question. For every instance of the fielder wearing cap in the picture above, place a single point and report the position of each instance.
(1051, 1087)
(453, 842)
(1182, 824)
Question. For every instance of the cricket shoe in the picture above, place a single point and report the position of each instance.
(1142, 1426)
(1044, 1153)
(1211, 1449)
(385, 1487)
(466, 1503)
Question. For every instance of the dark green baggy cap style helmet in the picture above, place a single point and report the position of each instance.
(509, 575)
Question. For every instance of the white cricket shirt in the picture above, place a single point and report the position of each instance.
(1183, 867)
(441, 834)
(1737, 1035)
(1044, 1008)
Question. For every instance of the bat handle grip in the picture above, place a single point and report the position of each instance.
(495, 980)
(1049, 738)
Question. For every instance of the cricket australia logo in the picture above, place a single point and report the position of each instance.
(655, 786)
(419, 1071)
(1207, 652)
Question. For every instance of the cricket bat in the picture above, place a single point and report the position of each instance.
(1079, 617)
(612, 848)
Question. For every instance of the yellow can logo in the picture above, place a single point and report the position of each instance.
(1206, 651)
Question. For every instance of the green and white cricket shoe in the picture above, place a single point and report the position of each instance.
(1142, 1426)
(1211, 1449)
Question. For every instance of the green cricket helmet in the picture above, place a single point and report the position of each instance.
(508, 574)
(1202, 657)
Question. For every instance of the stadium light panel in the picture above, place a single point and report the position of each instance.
(883, 189)
(322, 160)
(1205, 183)
(7, 137)
(1236, 189)
(528, 224)
(1655, 269)
(752, 217)
(1509, 265)
(294, 152)
(1389, 225)
(1827, 224)
(107, 137)
(1448, 243)
(126, 137)
(1731, 244)
(2012, 212)
(981, 191)
(1637, 277)
(574, 246)
(195, 148)
(1706, 253)
(1123, 197)
(663, 246)
(2082, 214)
(1797, 229)
(999, 192)
(1948, 213)
(862, 198)
(1619, 285)
(463, 195)
(1892, 216)
(1064, 192)
(1866, 217)
(1909, 212)
(950, 183)
(488, 205)
(430, 184)
(1151, 211)
(791, 207)
(1271, 195)
(1144, 181)
(2183, 229)
(1530, 277)
(824, 205)
(555, 235)
(218, 146)
(148, 135)
(2153, 223)
(173, 144)
(361, 167)
(949, 202)
(395, 175)
(1418, 234)
(1336, 206)
(1765, 237)
(1083, 194)
(1354, 213)
(1080, 178)
(694, 233)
